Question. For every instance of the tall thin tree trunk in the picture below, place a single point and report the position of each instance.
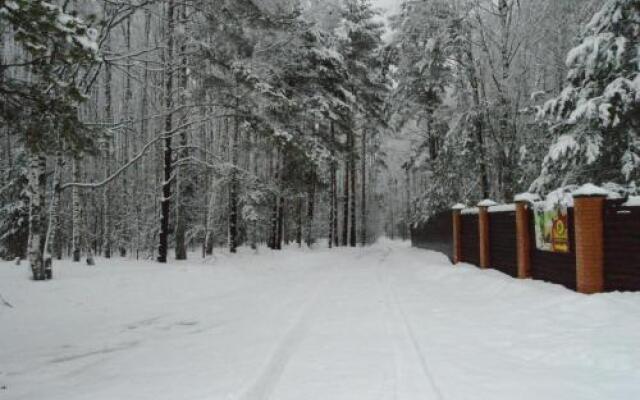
(310, 240)
(504, 122)
(181, 225)
(345, 204)
(299, 220)
(209, 239)
(392, 209)
(333, 212)
(139, 201)
(286, 237)
(36, 192)
(334, 200)
(407, 230)
(363, 186)
(280, 225)
(54, 217)
(253, 166)
(75, 211)
(129, 186)
(234, 183)
(352, 166)
(106, 193)
(165, 203)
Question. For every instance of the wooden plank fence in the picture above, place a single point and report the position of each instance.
(604, 244)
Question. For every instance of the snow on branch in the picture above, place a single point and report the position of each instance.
(137, 157)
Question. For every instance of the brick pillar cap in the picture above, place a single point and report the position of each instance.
(590, 190)
(526, 198)
(458, 207)
(487, 203)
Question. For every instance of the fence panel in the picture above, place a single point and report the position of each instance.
(503, 242)
(621, 264)
(622, 247)
(436, 234)
(470, 238)
(554, 267)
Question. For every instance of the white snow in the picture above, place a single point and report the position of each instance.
(632, 201)
(470, 210)
(387, 322)
(458, 206)
(502, 208)
(559, 197)
(589, 189)
(487, 203)
(528, 197)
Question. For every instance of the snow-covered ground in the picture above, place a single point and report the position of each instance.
(387, 322)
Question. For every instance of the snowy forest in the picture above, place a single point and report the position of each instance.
(162, 129)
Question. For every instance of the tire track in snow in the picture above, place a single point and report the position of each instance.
(271, 373)
(398, 314)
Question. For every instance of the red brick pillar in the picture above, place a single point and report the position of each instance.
(589, 231)
(483, 227)
(523, 239)
(457, 233)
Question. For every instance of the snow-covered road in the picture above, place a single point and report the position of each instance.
(387, 322)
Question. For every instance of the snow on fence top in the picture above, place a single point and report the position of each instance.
(502, 208)
(633, 201)
(562, 196)
(529, 197)
(487, 203)
(590, 189)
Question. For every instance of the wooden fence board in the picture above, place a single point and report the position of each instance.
(621, 247)
(502, 242)
(470, 238)
(435, 234)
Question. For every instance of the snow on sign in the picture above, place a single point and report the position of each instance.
(552, 228)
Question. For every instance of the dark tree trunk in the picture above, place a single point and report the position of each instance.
(280, 226)
(253, 166)
(273, 237)
(280, 202)
(310, 240)
(106, 193)
(334, 200)
(352, 211)
(299, 221)
(75, 211)
(333, 219)
(275, 172)
(406, 232)
(36, 189)
(507, 135)
(345, 205)
(234, 185)
(363, 186)
(165, 204)
(181, 223)
(286, 233)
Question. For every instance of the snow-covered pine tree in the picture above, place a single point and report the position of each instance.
(427, 53)
(40, 97)
(597, 115)
(360, 33)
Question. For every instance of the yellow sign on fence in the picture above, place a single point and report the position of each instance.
(552, 228)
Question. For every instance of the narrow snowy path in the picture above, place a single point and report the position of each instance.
(386, 322)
